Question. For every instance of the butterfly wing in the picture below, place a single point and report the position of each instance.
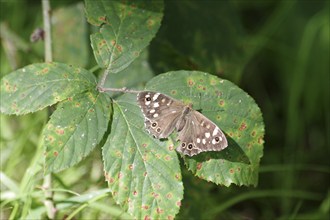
(200, 134)
(161, 113)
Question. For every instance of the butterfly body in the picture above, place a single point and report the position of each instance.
(196, 133)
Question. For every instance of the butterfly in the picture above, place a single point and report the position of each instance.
(163, 115)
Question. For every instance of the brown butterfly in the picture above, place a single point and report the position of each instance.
(196, 133)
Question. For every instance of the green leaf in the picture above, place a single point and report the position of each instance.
(143, 174)
(75, 128)
(134, 76)
(37, 86)
(69, 33)
(126, 28)
(234, 111)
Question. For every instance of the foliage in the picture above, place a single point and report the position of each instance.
(266, 53)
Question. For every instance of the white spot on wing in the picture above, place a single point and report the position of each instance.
(155, 115)
(156, 104)
(147, 102)
(198, 140)
(215, 131)
(155, 96)
(207, 134)
(220, 138)
(173, 111)
(204, 141)
(152, 111)
(213, 141)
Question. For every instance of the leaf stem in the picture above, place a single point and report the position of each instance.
(47, 184)
(124, 90)
(104, 77)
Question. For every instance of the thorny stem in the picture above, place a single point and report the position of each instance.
(47, 184)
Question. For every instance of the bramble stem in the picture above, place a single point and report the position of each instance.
(47, 183)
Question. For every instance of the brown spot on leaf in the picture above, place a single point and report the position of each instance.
(170, 217)
(199, 166)
(102, 18)
(221, 102)
(213, 82)
(154, 194)
(55, 153)
(169, 195)
(173, 92)
(178, 176)
(59, 131)
(145, 174)
(118, 154)
(191, 82)
(145, 207)
(171, 147)
(119, 48)
(144, 145)
(242, 127)
(135, 193)
(120, 175)
(231, 171)
(130, 166)
(150, 23)
(253, 134)
(261, 140)
(159, 210)
(146, 217)
(218, 93)
(113, 42)
(50, 138)
(167, 158)
(238, 169)
(77, 104)
(178, 203)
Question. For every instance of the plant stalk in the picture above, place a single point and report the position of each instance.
(47, 184)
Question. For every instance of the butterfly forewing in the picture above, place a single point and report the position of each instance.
(161, 113)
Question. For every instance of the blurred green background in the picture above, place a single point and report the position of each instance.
(277, 51)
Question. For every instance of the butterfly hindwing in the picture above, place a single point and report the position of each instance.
(200, 134)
